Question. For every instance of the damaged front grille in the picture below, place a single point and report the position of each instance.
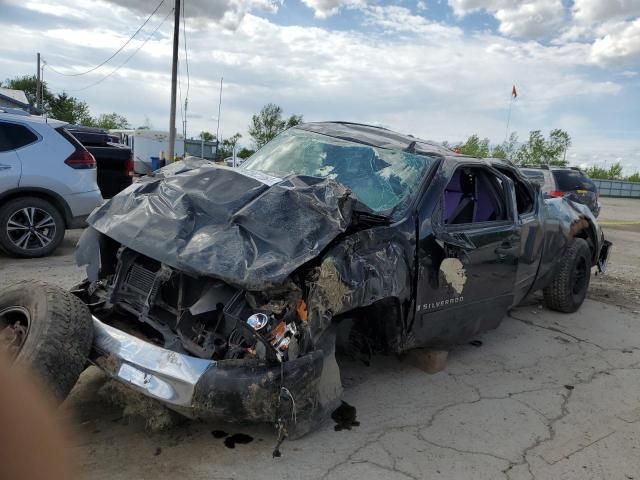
(206, 317)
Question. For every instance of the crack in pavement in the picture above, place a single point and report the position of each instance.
(549, 422)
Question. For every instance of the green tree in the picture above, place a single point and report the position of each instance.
(228, 145)
(268, 123)
(597, 172)
(614, 172)
(474, 147)
(28, 84)
(507, 149)
(539, 150)
(111, 121)
(634, 178)
(245, 152)
(207, 136)
(70, 109)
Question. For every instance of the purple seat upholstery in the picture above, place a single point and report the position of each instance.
(485, 209)
(452, 196)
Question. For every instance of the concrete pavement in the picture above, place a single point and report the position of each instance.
(546, 395)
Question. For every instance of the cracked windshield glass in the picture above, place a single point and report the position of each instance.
(379, 178)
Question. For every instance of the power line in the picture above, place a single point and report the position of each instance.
(116, 52)
(186, 54)
(128, 58)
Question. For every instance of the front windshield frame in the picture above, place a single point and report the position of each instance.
(399, 174)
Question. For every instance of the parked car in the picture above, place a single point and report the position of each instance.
(561, 181)
(114, 160)
(229, 161)
(218, 291)
(47, 184)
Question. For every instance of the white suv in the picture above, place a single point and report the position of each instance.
(47, 184)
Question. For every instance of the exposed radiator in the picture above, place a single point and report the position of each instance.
(139, 279)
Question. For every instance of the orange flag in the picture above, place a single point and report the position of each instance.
(514, 93)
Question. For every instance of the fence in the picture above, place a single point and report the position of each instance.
(618, 188)
(198, 148)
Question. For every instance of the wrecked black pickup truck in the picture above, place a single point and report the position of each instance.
(217, 291)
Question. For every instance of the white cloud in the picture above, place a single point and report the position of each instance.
(401, 70)
(327, 8)
(591, 11)
(517, 18)
(621, 44)
(534, 19)
(400, 19)
(227, 13)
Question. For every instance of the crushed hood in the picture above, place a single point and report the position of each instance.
(246, 228)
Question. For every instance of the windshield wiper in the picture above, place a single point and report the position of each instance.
(370, 219)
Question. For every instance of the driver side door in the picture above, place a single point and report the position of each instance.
(467, 256)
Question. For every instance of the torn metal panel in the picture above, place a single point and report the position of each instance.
(365, 267)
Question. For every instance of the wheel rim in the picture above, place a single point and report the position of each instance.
(14, 327)
(579, 276)
(31, 228)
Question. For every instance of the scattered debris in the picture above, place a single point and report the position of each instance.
(237, 438)
(345, 417)
(156, 416)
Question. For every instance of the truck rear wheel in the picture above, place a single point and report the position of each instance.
(569, 287)
(48, 330)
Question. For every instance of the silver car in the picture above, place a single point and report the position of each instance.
(47, 184)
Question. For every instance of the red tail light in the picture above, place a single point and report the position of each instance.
(128, 169)
(556, 193)
(80, 160)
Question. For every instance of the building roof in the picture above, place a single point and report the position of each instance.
(16, 96)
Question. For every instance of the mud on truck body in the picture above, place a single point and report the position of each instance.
(217, 291)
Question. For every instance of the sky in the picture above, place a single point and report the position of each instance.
(437, 69)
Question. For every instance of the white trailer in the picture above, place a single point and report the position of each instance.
(146, 144)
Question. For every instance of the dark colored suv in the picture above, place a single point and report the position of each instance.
(561, 181)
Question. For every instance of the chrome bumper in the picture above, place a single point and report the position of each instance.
(159, 373)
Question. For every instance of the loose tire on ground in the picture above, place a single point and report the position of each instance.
(58, 335)
(569, 286)
(51, 233)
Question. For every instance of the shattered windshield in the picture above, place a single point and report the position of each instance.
(379, 178)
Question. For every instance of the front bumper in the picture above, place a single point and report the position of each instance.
(302, 390)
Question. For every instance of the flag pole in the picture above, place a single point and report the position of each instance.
(506, 134)
(514, 95)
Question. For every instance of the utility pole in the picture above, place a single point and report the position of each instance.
(184, 124)
(218, 127)
(174, 81)
(38, 84)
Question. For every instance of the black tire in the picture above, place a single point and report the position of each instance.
(569, 287)
(58, 334)
(34, 247)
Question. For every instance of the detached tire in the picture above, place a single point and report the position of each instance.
(569, 287)
(48, 330)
